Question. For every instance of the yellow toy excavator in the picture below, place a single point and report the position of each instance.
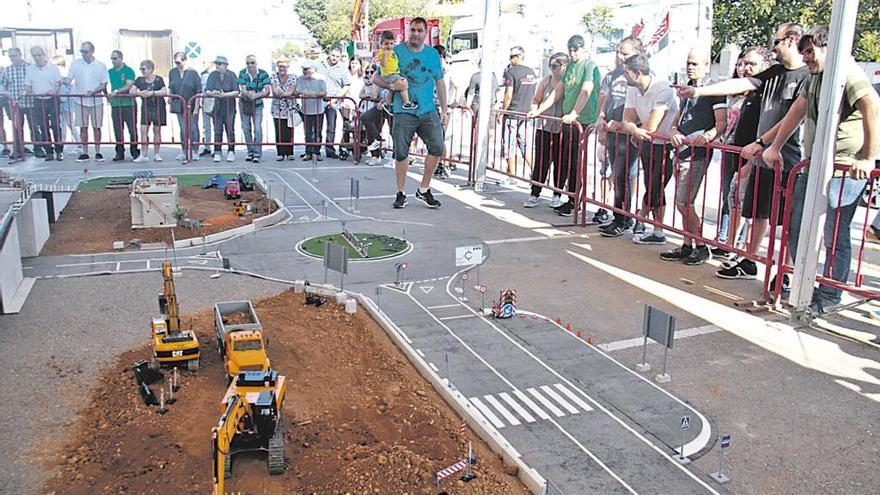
(171, 345)
(251, 421)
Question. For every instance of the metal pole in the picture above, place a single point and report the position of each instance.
(843, 21)
(490, 39)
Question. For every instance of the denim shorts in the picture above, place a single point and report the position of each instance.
(407, 125)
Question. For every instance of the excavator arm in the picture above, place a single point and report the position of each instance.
(237, 411)
(171, 298)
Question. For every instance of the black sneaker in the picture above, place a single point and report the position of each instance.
(441, 172)
(40, 154)
(565, 210)
(677, 254)
(638, 228)
(601, 217)
(82, 158)
(613, 229)
(118, 158)
(786, 284)
(651, 238)
(698, 256)
(205, 152)
(400, 200)
(307, 157)
(99, 157)
(5, 152)
(746, 269)
(427, 198)
(28, 151)
(249, 158)
(50, 157)
(344, 154)
(319, 157)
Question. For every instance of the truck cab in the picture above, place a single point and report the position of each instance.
(245, 351)
(232, 189)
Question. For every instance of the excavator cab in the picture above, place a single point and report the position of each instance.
(172, 346)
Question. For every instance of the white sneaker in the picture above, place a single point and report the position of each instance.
(230, 157)
(376, 144)
(556, 202)
(216, 157)
(374, 161)
(141, 159)
(157, 158)
(180, 157)
(531, 202)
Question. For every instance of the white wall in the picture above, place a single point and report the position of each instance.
(10, 267)
(33, 227)
(59, 201)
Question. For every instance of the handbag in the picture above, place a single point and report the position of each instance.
(208, 105)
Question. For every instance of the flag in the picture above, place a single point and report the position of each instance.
(637, 29)
(662, 31)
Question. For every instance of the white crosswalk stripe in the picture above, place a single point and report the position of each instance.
(549, 405)
(504, 412)
(553, 395)
(574, 398)
(487, 412)
(516, 407)
(529, 402)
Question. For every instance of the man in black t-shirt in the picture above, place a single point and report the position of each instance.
(519, 89)
(701, 120)
(779, 86)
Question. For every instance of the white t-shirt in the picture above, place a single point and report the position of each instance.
(659, 96)
(86, 77)
(42, 80)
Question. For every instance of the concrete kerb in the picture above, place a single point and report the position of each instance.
(278, 216)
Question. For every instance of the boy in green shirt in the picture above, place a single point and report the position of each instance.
(122, 109)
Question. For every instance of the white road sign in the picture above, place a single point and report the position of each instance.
(468, 255)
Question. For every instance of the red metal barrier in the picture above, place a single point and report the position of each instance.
(296, 138)
(458, 139)
(856, 287)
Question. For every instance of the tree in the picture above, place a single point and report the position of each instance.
(754, 22)
(598, 22)
(289, 50)
(329, 21)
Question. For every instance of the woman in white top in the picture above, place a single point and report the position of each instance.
(283, 108)
(356, 71)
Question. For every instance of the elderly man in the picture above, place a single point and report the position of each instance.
(313, 89)
(89, 78)
(185, 82)
(700, 120)
(43, 81)
(254, 85)
(338, 84)
(13, 83)
(222, 87)
(857, 145)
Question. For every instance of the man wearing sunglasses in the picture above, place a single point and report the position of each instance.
(779, 86)
(122, 110)
(254, 85)
(186, 83)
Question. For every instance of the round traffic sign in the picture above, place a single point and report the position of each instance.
(483, 289)
(464, 276)
(192, 50)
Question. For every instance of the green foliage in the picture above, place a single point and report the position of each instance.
(599, 21)
(289, 50)
(754, 22)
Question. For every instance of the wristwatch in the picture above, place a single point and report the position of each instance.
(761, 142)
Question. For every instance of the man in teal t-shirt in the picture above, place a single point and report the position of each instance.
(420, 65)
(122, 109)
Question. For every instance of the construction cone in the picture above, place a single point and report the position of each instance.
(568, 327)
(579, 334)
(590, 340)
(558, 321)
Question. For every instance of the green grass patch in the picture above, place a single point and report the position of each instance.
(182, 180)
(378, 245)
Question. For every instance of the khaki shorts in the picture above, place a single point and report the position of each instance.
(88, 116)
(690, 179)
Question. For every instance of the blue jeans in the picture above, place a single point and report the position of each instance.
(252, 127)
(207, 121)
(194, 123)
(330, 118)
(837, 266)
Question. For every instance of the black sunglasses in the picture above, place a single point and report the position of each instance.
(369, 72)
(252, 63)
(143, 68)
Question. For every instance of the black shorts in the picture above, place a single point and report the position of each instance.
(150, 116)
(407, 125)
(760, 206)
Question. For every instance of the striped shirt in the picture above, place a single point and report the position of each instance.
(14, 79)
(337, 77)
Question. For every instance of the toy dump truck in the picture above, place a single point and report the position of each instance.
(239, 338)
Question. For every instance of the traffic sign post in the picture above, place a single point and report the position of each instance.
(683, 425)
(720, 476)
(400, 272)
(483, 290)
(378, 293)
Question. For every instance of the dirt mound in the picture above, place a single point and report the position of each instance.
(92, 220)
(358, 419)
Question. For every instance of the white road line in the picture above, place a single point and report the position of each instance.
(434, 368)
(549, 405)
(297, 192)
(504, 412)
(516, 407)
(456, 317)
(148, 264)
(510, 384)
(487, 412)
(420, 352)
(117, 265)
(552, 393)
(679, 334)
(405, 336)
(532, 239)
(529, 402)
(440, 306)
(706, 427)
(574, 398)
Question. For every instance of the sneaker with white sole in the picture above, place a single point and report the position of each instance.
(399, 200)
(427, 198)
(556, 202)
(376, 144)
(746, 269)
(141, 159)
(180, 157)
(217, 157)
(651, 238)
(230, 157)
(532, 202)
(157, 158)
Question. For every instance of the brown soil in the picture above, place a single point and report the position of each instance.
(94, 219)
(358, 420)
(237, 318)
